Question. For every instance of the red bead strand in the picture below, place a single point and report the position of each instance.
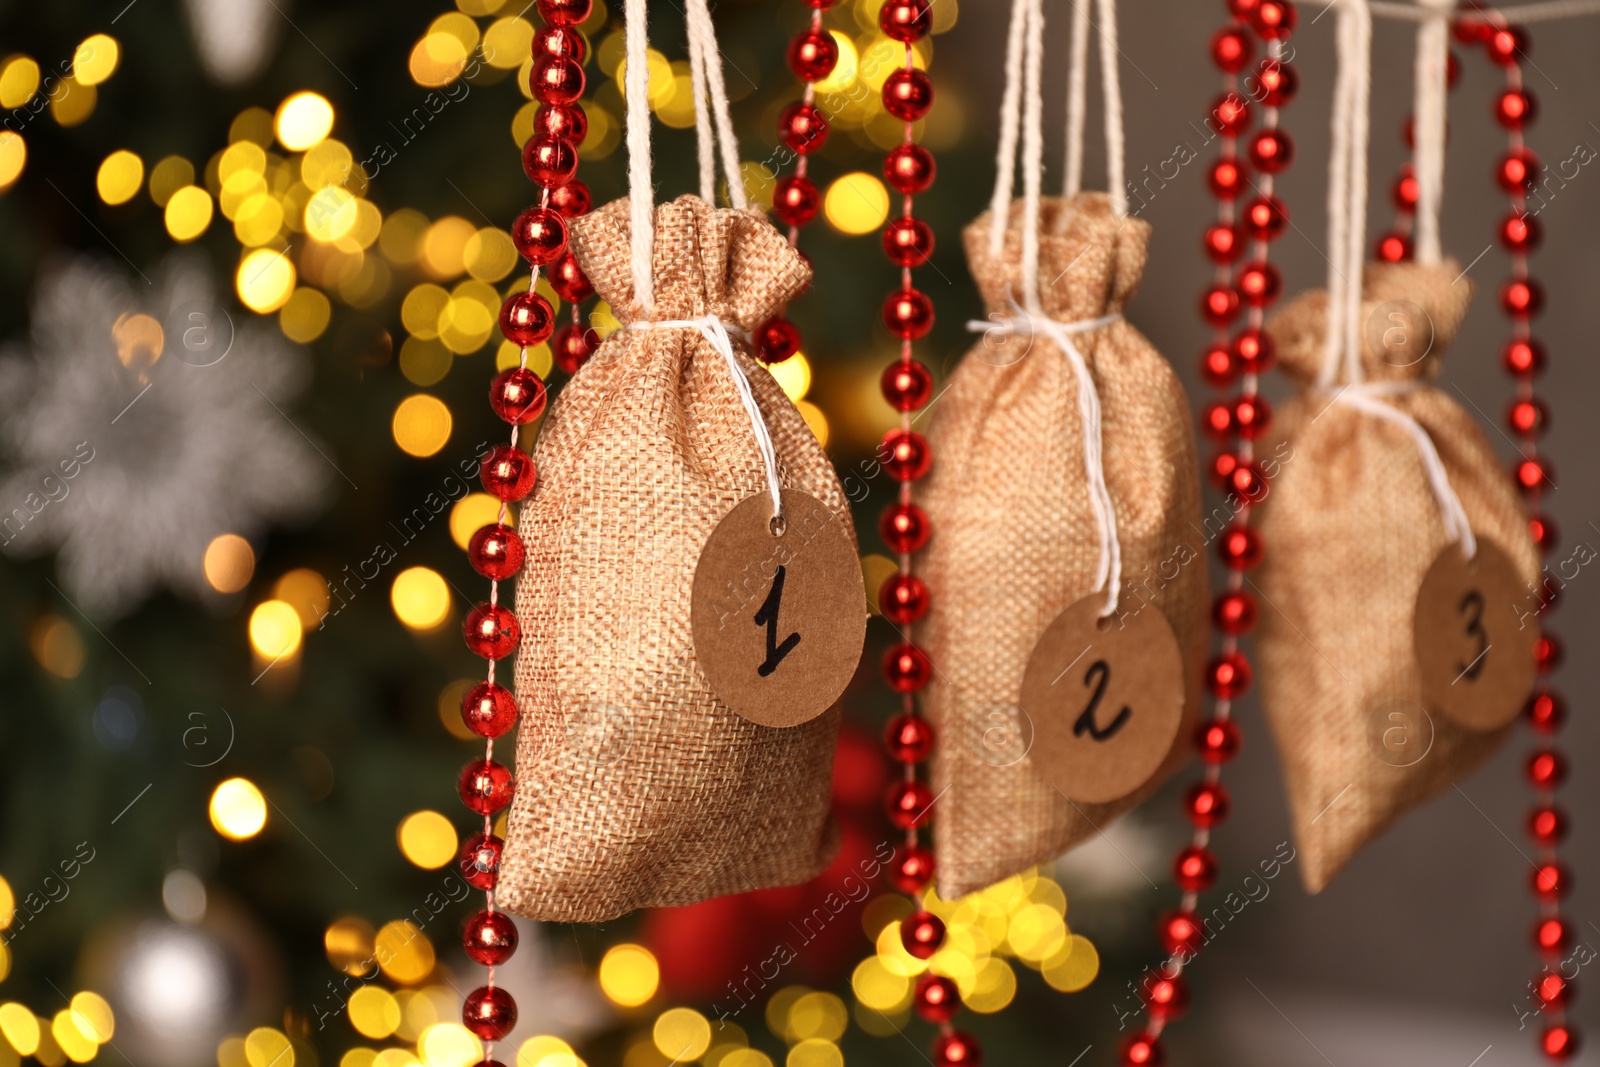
(496, 552)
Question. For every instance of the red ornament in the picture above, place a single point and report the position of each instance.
(526, 319)
(957, 1049)
(1548, 652)
(1167, 998)
(507, 473)
(569, 281)
(549, 161)
(1217, 366)
(908, 241)
(1274, 19)
(1559, 1042)
(903, 598)
(906, 20)
(1528, 418)
(1547, 768)
(1264, 218)
(1259, 284)
(1516, 109)
(1254, 351)
(1231, 49)
(1142, 1050)
(1218, 740)
(1251, 416)
(907, 385)
(1219, 305)
(572, 346)
(1217, 420)
(1181, 933)
(1471, 31)
(496, 552)
(1532, 474)
(1542, 528)
(1228, 675)
(1551, 881)
(565, 12)
(1222, 243)
(1235, 612)
(491, 631)
(1206, 804)
(1407, 190)
(571, 199)
(517, 395)
(1552, 936)
(1226, 179)
(1507, 45)
(1522, 298)
(485, 786)
(803, 128)
(908, 738)
(560, 41)
(1271, 151)
(1546, 712)
(907, 94)
(1222, 468)
(912, 869)
(909, 169)
(1521, 232)
(1276, 81)
(1547, 825)
(489, 1012)
(776, 340)
(1518, 170)
(1393, 248)
(1248, 482)
(907, 668)
(490, 938)
(480, 860)
(922, 933)
(1230, 113)
(1239, 547)
(795, 200)
(936, 998)
(812, 55)
(540, 235)
(567, 122)
(1194, 869)
(1551, 989)
(1524, 357)
(904, 528)
(489, 710)
(904, 454)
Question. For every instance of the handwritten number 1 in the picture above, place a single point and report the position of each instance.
(1099, 676)
(1472, 607)
(768, 617)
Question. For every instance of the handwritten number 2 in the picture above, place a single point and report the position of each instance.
(1472, 607)
(1099, 676)
(768, 617)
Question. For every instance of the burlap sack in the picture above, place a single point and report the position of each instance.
(1350, 527)
(1015, 540)
(635, 786)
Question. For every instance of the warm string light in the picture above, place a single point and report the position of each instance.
(1245, 282)
(1521, 297)
(517, 395)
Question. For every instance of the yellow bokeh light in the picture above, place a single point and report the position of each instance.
(1074, 967)
(893, 953)
(230, 1052)
(241, 157)
(188, 213)
(425, 362)
(993, 987)
(238, 810)
(401, 239)
(437, 60)
(879, 988)
(1036, 932)
(421, 309)
(95, 60)
(348, 941)
(92, 1016)
(449, 1045)
(815, 419)
(395, 1057)
(746, 1057)
(73, 105)
(546, 1050)
(305, 315)
(275, 629)
(450, 698)
(794, 375)
(8, 899)
(19, 1027)
(444, 247)
(369, 224)
(844, 70)
(427, 838)
(682, 1034)
(58, 646)
(356, 1057)
(629, 975)
(307, 592)
(5, 956)
(856, 203)
(330, 213)
(817, 1015)
(120, 177)
(19, 80)
(71, 1040)
(13, 157)
(265, 280)
(421, 425)
(677, 110)
(403, 952)
(229, 563)
(374, 1012)
(327, 163)
(459, 26)
(659, 73)
(168, 176)
(489, 254)
(266, 1047)
(421, 600)
(814, 1052)
(506, 41)
(302, 120)
(253, 124)
(469, 513)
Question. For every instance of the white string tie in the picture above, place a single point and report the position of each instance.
(716, 334)
(1108, 573)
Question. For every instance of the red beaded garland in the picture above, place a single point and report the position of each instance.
(1235, 612)
(957, 1049)
(1218, 740)
(565, 12)
(489, 1012)
(904, 528)
(540, 235)
(1195, 869)
(904, 454)
(906, 20)
(572, 346)
(491, 631)
(569, 281)
(795, 200)
(1167, 998)
(1271, 151)
(912, 869)
(507, 473)
(517, 395)
(480, 860)
(776, 340)
(572, 199)
(907, 385)
(496, 552)
(1232, 49)
(1142, 1050)
(549, 161)
(1547, 825)
(922, 933)
(1207, 804)
(1228, 675)
(908, 242)
(803, 128)
(903, 599)
(568, 122)
(1181, 933)
(909, 169)
(527, 319)
(485, 786)
(556, 79)
(936, 998)
(490, 938)
(907, 668)
(908, 94)
(813, 55)
(908, 738)
(489, 710)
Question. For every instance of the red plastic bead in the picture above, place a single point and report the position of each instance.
(1524, 357)
(907, 668)
(776, 340)
(517, 395)
(1222, 468)
(496, 552)
(1167, 998)
(813, 54)
(1528, 418)
(907, 94)
(1271, 151)
(1393, 248)
(507, 473)
(1547, 826)
(491, 631)
(795, 200)
(903, 598)
(489, 710)
(904, 528)
(540, 235)
(485, 786)
(1471, 31)
(572, 346)
(561, 41)
(904, 454)
(1533, 475)
(1194, 869)
(957, 1049)
(1559, 1042)
(1231, 49)
(526, 319)
(1542, 528)
(1276, 82)
(549, 161)
(1217, 420)
(1222, 243)
(912, 869)
(1407, 190)
(908, 804)
(908, 314)
(1264, 218)
(490, 938)
(1548, 652)
(936, 998)
(1551, 989)
(1546, 712)
(1274, 19)
(1507, 45)
(1219, 305)
(1242, 9)
(1552, 935)
(906, 20)
(908, 241)
(1235, 612)
(1206, 804)
(1239, 547)
(1522, 298)
(1180, 933)
(1518, 170)
(1547, 768)
(1226, 179)
(1551, 881)
(922, 933)
(1218, 740)
(803, 128)
(908, 738)
(907, 385)
(572, 199)
(1230, 113)
(568, 122)
(569, 281)
(1217, 366)
(1254, 351)
(1521, 232)
(909, 169)
(1228, 675)
(565, 12)
(1251, 416)
(480, 860)
(1248, 482)
(1142, 1050)
(1259, 284)
(490, 1012)
(1515, 109)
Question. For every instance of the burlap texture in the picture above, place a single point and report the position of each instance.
(636, 787)
(1350, 527)
(1015, 541)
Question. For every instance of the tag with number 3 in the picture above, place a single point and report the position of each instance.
(779, 610)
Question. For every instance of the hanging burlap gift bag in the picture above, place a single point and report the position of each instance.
(1050, 489)
(636, 785)
(1388, 479)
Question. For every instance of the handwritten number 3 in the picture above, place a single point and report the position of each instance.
(1099, 676)
(1472, 606)
(768, 617)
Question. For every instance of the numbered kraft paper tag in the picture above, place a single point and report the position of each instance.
(1105, 698)
(779, 611)
(1474, 648)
